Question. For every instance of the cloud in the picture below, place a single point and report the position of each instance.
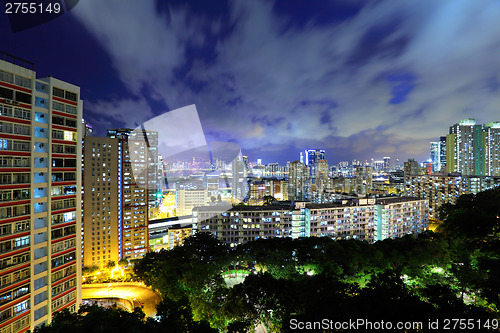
(123, 112)
(387, 80)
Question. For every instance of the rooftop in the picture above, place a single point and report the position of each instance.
(17, 61)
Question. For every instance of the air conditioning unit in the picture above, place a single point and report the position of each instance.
(8, 101)
(42, 116)
(42, 101)
(41, 145)
(41, 130)
(15, 102)
(41, 159)
(40, 174)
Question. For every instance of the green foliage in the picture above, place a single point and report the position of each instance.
(455, 273)
(98, 319)
(110, 264)
(123, 262)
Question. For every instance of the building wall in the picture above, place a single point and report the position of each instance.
(40, 202)
(243, 224)
(492, 149)
(101, 221)
(363, 219)
(186, 200)
(439, 190)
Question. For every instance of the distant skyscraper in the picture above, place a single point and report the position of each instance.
(313, 156)
(322, 177)
(435, 158)
(387, 163)
(240, 180)
(40, 200)
(298, 181)
(442, 153)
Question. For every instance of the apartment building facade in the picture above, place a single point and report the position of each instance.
(368, 220)
(40, 201)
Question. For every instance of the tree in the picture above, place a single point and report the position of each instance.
(269, 200)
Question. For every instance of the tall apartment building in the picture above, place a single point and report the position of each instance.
(120, 187)
(472, 149)
(40, 202)
(299, 181)
(492, 148)
(441, 189)
(369, 220)
(465, 148)
(102, 216)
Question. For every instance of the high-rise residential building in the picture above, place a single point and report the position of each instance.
(473, 150)
(298, 181)
(40, 201)
(492, 148)
(102, 204)
(322, 177)
(120, 187)
(465, 148)
(138, 187)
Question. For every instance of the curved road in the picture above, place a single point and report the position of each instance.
(136, 293)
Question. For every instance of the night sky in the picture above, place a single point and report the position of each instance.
(361, 79)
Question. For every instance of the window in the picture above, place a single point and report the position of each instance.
(58, 92)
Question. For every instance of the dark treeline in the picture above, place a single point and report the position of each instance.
(454, 273)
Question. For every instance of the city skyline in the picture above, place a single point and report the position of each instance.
(359, 80)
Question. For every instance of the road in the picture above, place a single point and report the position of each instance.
(134, 292)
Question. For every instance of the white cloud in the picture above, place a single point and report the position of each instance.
(254, 91)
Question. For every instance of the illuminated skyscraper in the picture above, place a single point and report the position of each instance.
(312, 157)
(40, 204)
(240, 180)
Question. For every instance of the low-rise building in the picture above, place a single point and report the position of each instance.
(369, 220)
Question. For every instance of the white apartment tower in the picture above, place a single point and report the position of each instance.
(40, 204)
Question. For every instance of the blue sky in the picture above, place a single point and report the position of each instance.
(361, 79)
